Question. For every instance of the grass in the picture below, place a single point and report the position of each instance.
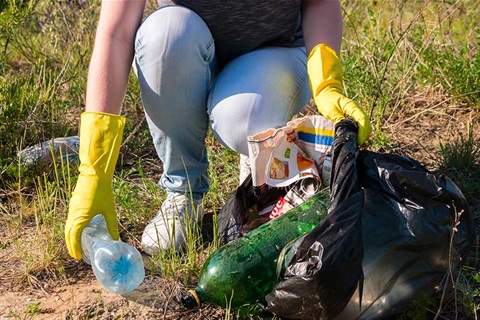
(460, 158)
(410, 64)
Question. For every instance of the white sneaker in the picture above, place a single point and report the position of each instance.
(176, 218)
(245, 169)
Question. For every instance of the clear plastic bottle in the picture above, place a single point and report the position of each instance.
(45, 152)
(117, 265)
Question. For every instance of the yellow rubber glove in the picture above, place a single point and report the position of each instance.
(325, 76)
(100, 138)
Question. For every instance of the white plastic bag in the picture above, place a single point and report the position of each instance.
(279, 157)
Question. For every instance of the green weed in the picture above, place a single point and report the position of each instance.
(422, 308)
(460, 159)
(468, 285)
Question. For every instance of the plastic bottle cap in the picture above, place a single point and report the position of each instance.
(191, 300)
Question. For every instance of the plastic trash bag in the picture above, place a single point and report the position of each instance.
(407, 218)
(234, 213)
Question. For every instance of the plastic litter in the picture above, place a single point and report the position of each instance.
(45, 152)
(116, 265)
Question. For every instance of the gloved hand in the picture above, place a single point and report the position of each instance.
(100, 138)
(325, 76)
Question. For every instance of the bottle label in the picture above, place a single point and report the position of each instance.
(299, 193)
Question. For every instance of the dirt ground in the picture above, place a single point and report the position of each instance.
(86, 299)
(416, 134)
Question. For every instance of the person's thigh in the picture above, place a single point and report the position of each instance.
(174, 61)
(259, 90)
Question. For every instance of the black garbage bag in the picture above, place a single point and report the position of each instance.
(234, 213)
(240, 212)
(409, 221)
(326, 268)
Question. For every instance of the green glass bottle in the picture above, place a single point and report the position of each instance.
(242, 272)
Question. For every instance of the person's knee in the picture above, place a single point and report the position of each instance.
(171, 29)
(233, 123)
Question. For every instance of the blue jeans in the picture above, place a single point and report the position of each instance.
(184, 91)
